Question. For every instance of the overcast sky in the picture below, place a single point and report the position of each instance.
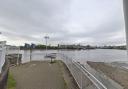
(65, 21)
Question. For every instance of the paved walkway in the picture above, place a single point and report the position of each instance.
(42, 75)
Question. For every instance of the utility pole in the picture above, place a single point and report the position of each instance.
(46, 40)
(125, 5)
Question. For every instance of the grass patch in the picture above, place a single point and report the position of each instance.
(11, 82)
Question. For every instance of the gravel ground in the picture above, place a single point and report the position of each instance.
(117, 74)
(43, 75)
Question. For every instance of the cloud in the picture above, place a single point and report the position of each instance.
(65, 21)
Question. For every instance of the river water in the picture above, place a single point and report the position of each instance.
(98, 55)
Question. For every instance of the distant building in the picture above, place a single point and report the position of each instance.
(71, 46)
(33, 46)
(27, 45)
(76, 47)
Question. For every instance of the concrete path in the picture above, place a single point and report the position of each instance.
(42, 75)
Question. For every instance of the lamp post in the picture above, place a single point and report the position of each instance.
(125, 5)
(46, 38)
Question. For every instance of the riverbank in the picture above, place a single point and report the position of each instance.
(117, 74)
(43, 75)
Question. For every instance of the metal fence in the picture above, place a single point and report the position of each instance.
(2, 54)
(4, 75)
(4, 65)
(83, 77)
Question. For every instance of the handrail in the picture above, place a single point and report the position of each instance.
(4, 75)
(98, 84)
(94, 79)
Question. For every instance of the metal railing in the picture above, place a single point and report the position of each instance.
(83, 77)
(4, 75)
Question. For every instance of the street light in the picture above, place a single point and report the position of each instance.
(125, 5)
(46, 38)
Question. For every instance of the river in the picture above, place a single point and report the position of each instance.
(98, 55)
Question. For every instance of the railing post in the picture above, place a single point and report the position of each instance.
(81, 81)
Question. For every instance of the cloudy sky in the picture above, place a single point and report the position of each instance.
(65, 21)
